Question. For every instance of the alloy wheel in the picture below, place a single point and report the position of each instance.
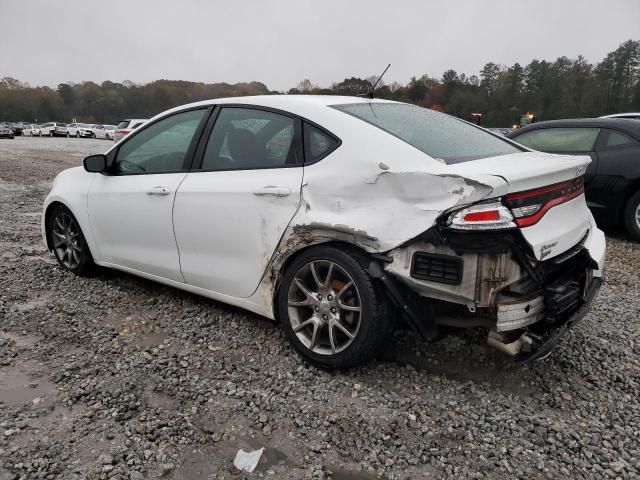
(66, 240)
(324, 306)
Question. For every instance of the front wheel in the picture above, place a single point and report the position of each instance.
(632, 216)
(333, 312)
(69, 245)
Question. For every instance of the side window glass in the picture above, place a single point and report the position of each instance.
(317, 144)
(244, 138)
(162, 147)
(560, 139)
(615, 139)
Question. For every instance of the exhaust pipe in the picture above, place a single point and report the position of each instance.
(498, 341)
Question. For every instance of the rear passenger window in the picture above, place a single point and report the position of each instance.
(245, 139)
(317, 144)
(615, 139)
(560, 139)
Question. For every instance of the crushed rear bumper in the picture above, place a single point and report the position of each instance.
(545, 343)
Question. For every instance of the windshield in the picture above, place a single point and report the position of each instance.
(436, 134)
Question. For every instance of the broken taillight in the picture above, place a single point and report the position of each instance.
(530, 206)
(483, 216)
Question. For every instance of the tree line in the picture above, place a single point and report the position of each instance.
(564, 88)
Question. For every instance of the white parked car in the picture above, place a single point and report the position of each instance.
(54, 129)
(32, 131)
(80, 130)
(334, 215)
(104, 131)
(125, 127)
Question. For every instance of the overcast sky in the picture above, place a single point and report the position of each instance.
(279, 43)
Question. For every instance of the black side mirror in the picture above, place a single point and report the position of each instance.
(95, 163)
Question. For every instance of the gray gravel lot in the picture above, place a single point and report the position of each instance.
(115, 377)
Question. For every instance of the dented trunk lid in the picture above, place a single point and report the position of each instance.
(564, 225)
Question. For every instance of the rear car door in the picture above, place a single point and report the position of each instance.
(233, 208)
(565, 141)
(130, 209)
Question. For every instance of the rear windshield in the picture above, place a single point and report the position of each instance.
(123, 124)
(436, 134)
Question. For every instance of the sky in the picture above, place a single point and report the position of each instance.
(280, 42)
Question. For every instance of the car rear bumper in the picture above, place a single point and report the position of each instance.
(545, 345)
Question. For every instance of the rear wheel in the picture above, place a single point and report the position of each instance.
(632, 216)
(332, 311)
(69, 245)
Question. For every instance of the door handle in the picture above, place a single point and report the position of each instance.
(271, 190)
(159, 191)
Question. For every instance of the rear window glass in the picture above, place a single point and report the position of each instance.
(614, 139)
(317, 144)
(560, 139)
(123, 124)
(436, 134)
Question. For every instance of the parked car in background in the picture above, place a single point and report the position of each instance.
(630, 115)
(32, 131)
(54, 129)
(125, 127)
(612, 180)
(334, 214)
(17, 128)
(80, 130)
(6, 131)
(104, 131)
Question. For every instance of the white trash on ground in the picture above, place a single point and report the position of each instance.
(248, 461)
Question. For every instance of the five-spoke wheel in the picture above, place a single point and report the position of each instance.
(68, 242)
(333, 312)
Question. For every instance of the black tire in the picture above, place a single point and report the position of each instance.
(374, 319)
(631, 216)
(84, 259)
(78, 134)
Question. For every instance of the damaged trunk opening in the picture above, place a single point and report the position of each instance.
(492, 281)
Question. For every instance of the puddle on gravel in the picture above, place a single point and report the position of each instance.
(18, 386)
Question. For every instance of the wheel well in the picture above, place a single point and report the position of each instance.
(295, 254)
(630, 192)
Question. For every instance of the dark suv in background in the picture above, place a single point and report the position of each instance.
(612, 181)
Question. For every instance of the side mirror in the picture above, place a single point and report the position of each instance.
(95, 163)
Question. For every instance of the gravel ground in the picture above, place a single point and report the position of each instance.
(115, 377)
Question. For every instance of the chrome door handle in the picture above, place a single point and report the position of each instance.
(270, 190)
(159, 191)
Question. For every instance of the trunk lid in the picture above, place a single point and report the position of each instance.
(563, 225)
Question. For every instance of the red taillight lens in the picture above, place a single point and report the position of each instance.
(123, 132)
(486, 216)
(530, 206)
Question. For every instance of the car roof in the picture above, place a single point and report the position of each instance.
(626, 124)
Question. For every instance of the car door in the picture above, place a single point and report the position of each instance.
(618, 168)
(233, 208)
(130, 208)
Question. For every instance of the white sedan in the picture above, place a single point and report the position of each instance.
(104, 131)
(32, 131)
(334, 216)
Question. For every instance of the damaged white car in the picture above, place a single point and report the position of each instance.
(338, 215)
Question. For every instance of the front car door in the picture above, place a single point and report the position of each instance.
(233, 208)
(130, 208)
(618, 169)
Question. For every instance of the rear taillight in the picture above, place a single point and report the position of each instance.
(530, 206)
(484, 216)
(123, 132)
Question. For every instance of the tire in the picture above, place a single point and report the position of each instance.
(632, 216)
(51, 133)
(93, 135)
(77, 134)
(73, 255)
(327, 311)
